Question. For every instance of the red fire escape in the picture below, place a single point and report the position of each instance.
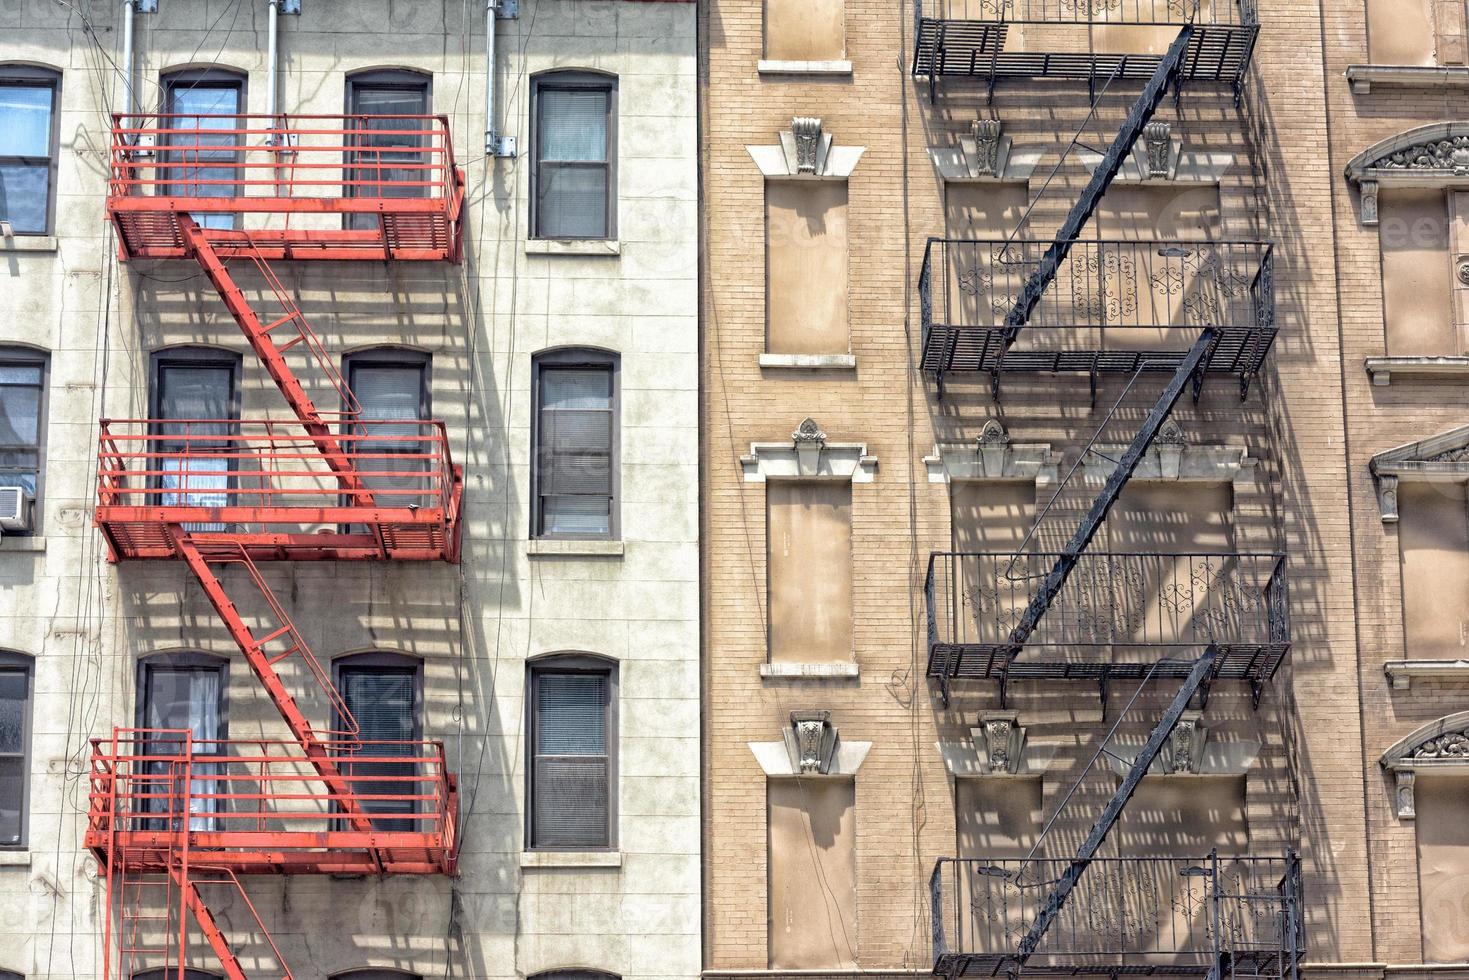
(177, 822)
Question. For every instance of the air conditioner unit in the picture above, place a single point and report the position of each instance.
(15, 509)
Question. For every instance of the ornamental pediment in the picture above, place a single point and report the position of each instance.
(1439, 745)
(1433, 155)
(1443, 458)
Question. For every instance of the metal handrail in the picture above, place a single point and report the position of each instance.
(1141, 13)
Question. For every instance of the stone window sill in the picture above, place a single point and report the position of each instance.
(1363, 77)
(556, 548)
(810, 362)
(15, 859)
(1402, 672)
(29, 243)
(1382, 370)
(840, 66)
(809, 671)
(24, 543)
(571, 859)
(573, 246)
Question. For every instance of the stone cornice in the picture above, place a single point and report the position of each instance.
(1443, 458)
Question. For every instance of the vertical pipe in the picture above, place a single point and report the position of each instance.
(492, 138)
(127, 55)
(272, 29)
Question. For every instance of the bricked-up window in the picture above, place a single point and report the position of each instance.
(384, 694)
(205, 160)
(1433, 544)
(388, 161)
(806, 267)
(29, 103)
(574, 180)
(1413, 235)
(809, 552)
(22, 414)
(805, 30)
(574, 445)
(1443, 865)
(1416, 32)
(573, 727)
(812, 868)
(16, 690)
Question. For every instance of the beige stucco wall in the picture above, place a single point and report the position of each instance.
(474, 624)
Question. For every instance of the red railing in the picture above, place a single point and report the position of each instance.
(258, 806)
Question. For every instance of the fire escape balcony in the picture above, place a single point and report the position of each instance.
(276, 489)
(1128, 916)
(298, 187)
(1089, 40)
(1113, 306)
(1118, 616)
(262, 807)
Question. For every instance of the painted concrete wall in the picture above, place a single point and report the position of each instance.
(635, 913)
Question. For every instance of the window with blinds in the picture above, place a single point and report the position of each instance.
(574, 171)
(392, 390)
(22, 385)
(195, 406)
(203, 160)
(389, 158)
(15, 743)
(28, 147)
(571, 788)
(382, 693)
(575, 445)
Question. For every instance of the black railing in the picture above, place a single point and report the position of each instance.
(1133, 915)
(1224, 13)
(1116, 613)
(1113, 305)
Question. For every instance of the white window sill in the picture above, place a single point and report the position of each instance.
(841, 66)
(28, 243)
(572, 246)
(1382, 370)
(810, 362)
(810, 671)
(32, 543)
(571, 859)
(1363, 77)
(1402, 672)
(15, 859)
(555, 548)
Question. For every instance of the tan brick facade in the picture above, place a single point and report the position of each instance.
(1312, 422)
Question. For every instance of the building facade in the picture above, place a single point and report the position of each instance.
(397, 565)
(929, 666)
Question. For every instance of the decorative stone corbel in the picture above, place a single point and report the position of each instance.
(1403, 794)
(812, 742)
(1184, 750)
(806, 150)
(986, 159)
(1369, 203)
(993, 444)
(1158, 143)
(808, 455)
(1000, 741)
(993, 456)
(984, 153)
(1387, 498)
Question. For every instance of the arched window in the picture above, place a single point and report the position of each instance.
(204, 161)
(17, 689)
(392, 388)
(195, 383)
(376, 974)
(574, 975)
(172, 974)
(574, 444)
(23, 372)
(11, 975)
(384, 694)
(388, 110)
(30, 100)
(186, 691)
(574, 138)
(572, 765)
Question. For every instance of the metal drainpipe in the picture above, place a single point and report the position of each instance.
(127, 55)
(271, 48)
(495, 144)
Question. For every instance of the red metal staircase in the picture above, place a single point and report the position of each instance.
(173, 819)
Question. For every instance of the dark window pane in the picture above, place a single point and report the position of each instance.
(574, 453)
(571, 803)
(573, 201)
(392, 391)
(383, 702)
(206, 161)
(12, 798)
(24, 194)
(390, 162)
(25, 120)
(20, 404)
(187, 391)
(574, 124)
(186, 698)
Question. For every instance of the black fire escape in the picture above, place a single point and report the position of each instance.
(1077, 614)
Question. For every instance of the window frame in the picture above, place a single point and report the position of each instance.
(398, 662)
(375, 973)
(33, 76)
(26, 665)
(390, 79)
(586, 358)
(194, 355)
(15, 356)
(573, 79)
(170, 973)
(573, 663)
(210, 78)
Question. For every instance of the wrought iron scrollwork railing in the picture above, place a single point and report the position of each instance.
(1229, 13)
(1134, 914)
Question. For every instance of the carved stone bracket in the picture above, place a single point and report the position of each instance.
(1000, 741)
(1441, 746)
(983, 153)
(1443, 458)
(806, 150)
(812, 741)
(1436, 155)
(1158, 144)
(1184, 751)
(809, 454)
(985, 161)
(993, 456)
